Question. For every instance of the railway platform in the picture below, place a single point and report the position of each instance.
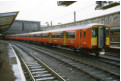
(115, 49)
(10, 67)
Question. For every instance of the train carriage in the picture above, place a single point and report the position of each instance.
(91, 37)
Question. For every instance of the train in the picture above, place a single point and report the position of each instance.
(94, 38)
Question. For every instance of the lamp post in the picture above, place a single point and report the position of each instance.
(47, 23)
(74, 18)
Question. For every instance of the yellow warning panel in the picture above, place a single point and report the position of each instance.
(64, 37)
(49, 37)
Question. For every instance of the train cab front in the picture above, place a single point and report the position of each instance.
(100, 39)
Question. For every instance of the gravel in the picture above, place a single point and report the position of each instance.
(69, 73)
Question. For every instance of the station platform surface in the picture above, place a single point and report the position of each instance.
(10, 67)
(114, 47)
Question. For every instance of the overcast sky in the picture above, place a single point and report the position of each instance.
(47, 10)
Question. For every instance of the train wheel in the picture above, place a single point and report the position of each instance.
(75, 50)
(97, 54)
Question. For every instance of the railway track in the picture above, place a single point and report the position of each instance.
(109, 58)
(35, 69)
(105, 59)
(95, 72)
(112, 54)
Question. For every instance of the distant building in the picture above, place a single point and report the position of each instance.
(22, 26)
(43, 26)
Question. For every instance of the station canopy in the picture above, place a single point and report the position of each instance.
(65, 3)
(103, 5)
(6, 20)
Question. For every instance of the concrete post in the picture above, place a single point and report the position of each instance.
(74, 18)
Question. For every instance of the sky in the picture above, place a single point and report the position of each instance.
(47, 10)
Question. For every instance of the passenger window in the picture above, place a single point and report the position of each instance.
(45, 35)
(31, 36)
(53, 35)
(56, 35)
(80, 34)
(84, 34)
(70, 35)
(39, 36)
(36, 36)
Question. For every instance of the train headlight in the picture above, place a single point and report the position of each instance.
(94, 41)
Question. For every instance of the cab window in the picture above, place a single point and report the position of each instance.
(94, 32)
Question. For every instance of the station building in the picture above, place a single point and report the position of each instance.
(23, 26)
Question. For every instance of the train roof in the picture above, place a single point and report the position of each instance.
(65, 29)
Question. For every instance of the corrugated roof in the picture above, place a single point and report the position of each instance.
(6, 20)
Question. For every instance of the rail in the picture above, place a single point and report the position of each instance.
(39, 62)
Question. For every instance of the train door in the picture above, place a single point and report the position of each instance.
(49, 37)
(80, 41)
(101, 37)
(64, 37)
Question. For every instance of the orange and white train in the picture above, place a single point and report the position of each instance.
(90, 37)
